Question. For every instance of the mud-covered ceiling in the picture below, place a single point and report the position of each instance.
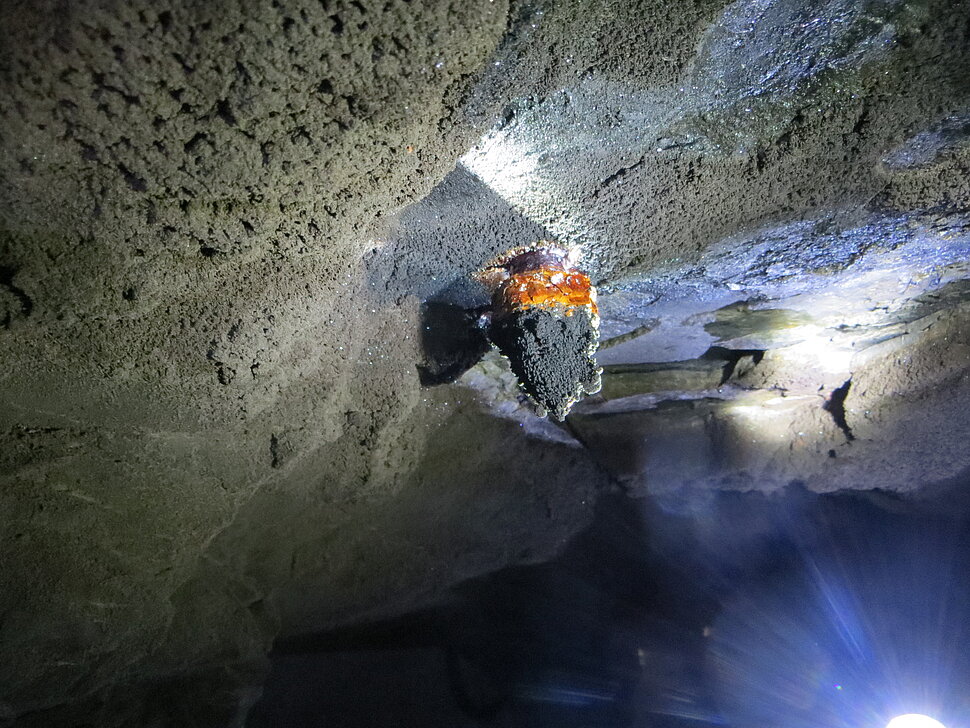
(243, 393)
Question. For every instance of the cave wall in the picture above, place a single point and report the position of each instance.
(212, 423)
(186, 191)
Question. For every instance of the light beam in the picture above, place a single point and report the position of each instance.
(914, 720)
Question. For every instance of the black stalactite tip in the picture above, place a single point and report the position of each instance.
(550, 354)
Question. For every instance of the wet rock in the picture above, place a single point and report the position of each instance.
(763, 111)
(823, 371)
(759, 61)
(930, 170)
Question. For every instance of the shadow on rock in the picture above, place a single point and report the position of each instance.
(453, 341)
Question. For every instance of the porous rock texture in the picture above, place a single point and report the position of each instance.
(186, 193)
(214, 300)
(549, 353)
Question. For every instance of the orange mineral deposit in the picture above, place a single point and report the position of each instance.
(549, 287)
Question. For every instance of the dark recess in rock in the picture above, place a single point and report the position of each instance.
(453, 341)
(7, 275)
(731, 358)
(835, 406)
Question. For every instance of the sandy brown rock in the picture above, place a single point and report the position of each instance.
(185, 194)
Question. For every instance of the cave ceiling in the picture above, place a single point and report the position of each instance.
(244, 390)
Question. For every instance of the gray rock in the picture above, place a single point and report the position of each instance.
(219, 228)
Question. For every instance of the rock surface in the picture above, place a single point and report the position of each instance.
(215, 291)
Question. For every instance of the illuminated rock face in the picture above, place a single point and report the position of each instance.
(220, 230)
(806, 363)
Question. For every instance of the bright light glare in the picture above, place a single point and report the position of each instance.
(914, 720)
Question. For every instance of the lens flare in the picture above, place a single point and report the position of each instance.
(914, 720)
